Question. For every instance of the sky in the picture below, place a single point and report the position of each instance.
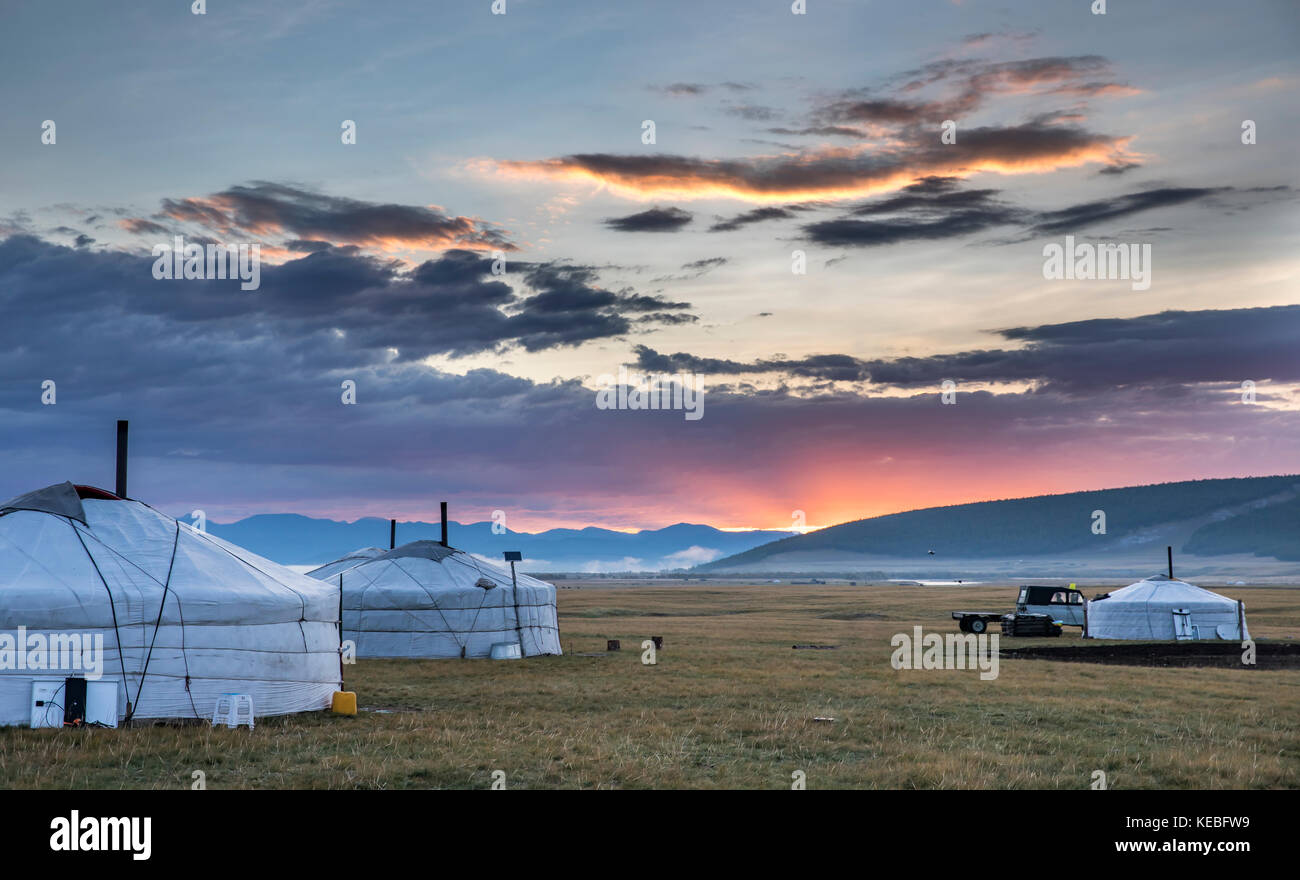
(818, 218)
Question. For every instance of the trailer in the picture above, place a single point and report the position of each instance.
(976, 621)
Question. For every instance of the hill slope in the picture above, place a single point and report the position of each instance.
(1255, 515)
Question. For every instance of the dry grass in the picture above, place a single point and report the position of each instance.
(730, 705)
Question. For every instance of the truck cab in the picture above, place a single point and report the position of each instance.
(1063, 604)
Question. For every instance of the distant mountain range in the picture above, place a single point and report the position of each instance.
(1226, 528)
(1249, 525)
(291, 539)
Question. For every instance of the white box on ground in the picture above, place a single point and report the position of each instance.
(506, 651)
(48, 702)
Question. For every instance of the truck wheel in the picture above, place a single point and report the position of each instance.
(964, 625)
(978, 625)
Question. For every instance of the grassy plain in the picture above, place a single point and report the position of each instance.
(729, 704)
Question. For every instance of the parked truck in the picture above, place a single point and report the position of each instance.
(1037, 608)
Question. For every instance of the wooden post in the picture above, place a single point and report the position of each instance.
(341, 687)
(519, 626)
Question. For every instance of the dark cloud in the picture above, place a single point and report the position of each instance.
(692, 270)
(265, 209)
(653, 220)
(820, 131)
(705, 264)
(668, 318)
(873, 233)
(752, 112)
(970, 85)
(932, 208)
(682, 88)
(303, 246)
(886, 110)
(1168, 349)
(757, 215)
(983, 39)
(334, 306)
(831, 367)
(1077, 216)
(935, 208)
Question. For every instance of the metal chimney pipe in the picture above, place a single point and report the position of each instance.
(392, 534)
(121, 457)
(444, 523)
(1170, 550)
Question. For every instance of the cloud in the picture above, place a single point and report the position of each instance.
(705, 264)
(692, 270)
(235, 399)
(935, 208)
(832, 173)
(332, 307)
(682, 88)
(1077, 216)
(141, 226)
(1171, 348)
(867, 233)
(757, 215)
(265, 209)
(932, 208)
(751, 112)
(653, 220)
(820, 131)
(898, 125)
(691, 556)
(971, 83)
(688, 89)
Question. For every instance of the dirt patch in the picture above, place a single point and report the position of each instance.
(852, 615)
(1219, 654)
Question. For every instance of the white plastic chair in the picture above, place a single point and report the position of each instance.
(233, 710)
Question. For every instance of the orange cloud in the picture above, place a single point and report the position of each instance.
(829, 174)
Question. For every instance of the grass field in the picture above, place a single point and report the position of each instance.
(730, 705)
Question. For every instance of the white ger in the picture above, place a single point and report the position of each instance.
(1163, 608)
(182, 617)
(425, 599)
